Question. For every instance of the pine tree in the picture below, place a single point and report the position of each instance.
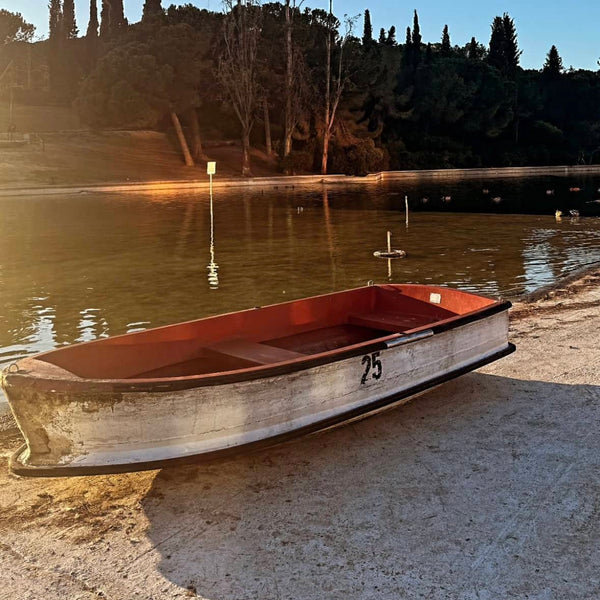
(367, 38)
(408, 42)
(391, 36)
(416, 33)
(504, 53)
(381, 36)
(92, 30)
(445, 48)
(497, 44)
(512, 54)
(55, 21)
(69, 25)
(152, 8)
(553, 64)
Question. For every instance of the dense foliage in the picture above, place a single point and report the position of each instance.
(285, 79)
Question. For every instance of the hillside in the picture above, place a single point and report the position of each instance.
(60, 155)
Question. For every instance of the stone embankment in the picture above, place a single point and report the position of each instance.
(293, 181)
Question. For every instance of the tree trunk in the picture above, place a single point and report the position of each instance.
(246, 169)
(189, 161)
(325, 153)
(287, 137)
(197, 152)
(267, 128)
(327, 128)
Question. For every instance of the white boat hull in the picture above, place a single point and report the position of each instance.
(128, 430)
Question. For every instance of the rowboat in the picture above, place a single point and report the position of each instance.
(246, 379)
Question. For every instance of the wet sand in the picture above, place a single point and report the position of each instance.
(487, 487)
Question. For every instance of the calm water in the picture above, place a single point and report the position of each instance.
(85, 266)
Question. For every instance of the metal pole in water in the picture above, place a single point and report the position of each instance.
(213, 276)
(406, 208)
(389, 240)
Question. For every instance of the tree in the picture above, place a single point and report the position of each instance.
(238, 66)
(382, 36)
(512, 53)
(497, 44)
(294, 63)
(367, 38)
(152, 8)
(391, 36)
(69, 25)
(445, 47)
(112, 17)
(334, 85)
(92, 29)
(139, 84)
(416, 34)
(475, 50)
(55, 19)
(504, 53)
(14, 28)
(553, 64)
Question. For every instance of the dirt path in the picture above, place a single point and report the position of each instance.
(487, 488)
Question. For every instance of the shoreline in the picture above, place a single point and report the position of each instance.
(292, 181)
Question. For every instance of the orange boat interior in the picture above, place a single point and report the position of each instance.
(265, 336)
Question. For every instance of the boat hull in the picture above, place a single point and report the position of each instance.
(87, 432)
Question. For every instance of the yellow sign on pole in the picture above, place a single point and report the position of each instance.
(211, 168)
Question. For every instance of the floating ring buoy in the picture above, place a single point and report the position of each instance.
(391, 254)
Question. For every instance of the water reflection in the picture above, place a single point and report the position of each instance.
(213, 268)
(78, 268)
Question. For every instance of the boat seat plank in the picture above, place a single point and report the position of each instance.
(261, 354)
(391, 323)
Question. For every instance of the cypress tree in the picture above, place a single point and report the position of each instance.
(553, 64)
(382, 36)
(367, 38)
(445, 49)
(69, 25)
(112, 17)
(55, 20)
(105, 15)
(117, 19)
(391, 36)
(152, 8)
(92, 30)
(408, 42)
(416, 33)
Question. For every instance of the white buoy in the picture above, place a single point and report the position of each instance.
(390, 253)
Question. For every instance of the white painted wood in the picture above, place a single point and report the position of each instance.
(139, 427)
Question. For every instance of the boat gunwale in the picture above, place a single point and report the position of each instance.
(72, 383)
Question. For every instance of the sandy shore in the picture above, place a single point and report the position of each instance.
(486, 488)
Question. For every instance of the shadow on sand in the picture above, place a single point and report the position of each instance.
(487, 487)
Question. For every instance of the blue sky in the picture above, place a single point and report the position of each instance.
(573, 26)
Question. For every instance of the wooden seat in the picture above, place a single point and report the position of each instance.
(391, 323)
(261, 354)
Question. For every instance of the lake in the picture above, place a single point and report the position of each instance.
(79, 267)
